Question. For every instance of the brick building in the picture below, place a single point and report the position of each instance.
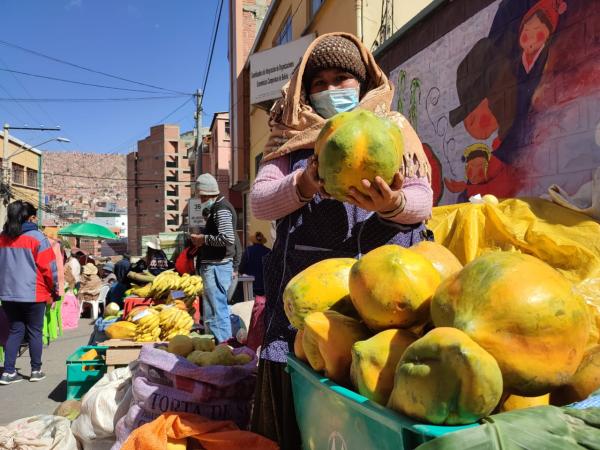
(158, 185)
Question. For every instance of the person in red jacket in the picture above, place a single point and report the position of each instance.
(28, 281)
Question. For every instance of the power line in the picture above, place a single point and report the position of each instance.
(42, 55)
(149, 181)
(212, 48)
(40, 107)
(87, 100)
(78, 82)
(162, 120)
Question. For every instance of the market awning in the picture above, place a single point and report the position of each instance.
(88, 230)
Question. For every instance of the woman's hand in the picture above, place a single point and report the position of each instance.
(380, 197)
(309, 182)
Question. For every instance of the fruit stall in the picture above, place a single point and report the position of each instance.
(487, 337)
(406, 346)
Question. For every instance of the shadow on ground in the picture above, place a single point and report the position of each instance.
(59, 393)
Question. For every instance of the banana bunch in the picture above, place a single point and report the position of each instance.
(174, 321)
(191, 285)
(142, 291)
(147, 325)
(164, 283)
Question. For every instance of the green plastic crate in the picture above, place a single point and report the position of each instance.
(80, 381)
(333, 417)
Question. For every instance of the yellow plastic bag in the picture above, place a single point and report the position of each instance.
(567, 240)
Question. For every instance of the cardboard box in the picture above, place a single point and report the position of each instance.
(121, 352)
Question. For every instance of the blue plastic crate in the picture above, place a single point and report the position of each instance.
(333, 417)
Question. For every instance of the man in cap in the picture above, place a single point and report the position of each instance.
(108, 276)
(215, 258)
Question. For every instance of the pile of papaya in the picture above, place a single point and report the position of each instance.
(414, 330)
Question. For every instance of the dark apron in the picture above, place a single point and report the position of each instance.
(321, 229)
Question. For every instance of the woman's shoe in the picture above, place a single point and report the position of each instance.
(10, 378)
(37, 375)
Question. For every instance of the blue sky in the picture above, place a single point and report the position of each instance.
(159, 42)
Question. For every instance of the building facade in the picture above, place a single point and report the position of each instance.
(158, 185)
(24, 163)
(284, 23)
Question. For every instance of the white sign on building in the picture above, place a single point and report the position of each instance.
(271, 69)
(195, 213)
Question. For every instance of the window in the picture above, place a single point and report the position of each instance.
(227, 130)
(171, 161)
(32, 178)
(18, 174)
(285, 35)
(314, 6)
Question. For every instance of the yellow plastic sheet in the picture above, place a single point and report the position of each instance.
(567, 240)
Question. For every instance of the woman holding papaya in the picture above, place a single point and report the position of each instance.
(336, 74)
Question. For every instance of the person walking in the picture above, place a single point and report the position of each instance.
(28, 281)
(252, 261)
(252, 264)
(215, 258)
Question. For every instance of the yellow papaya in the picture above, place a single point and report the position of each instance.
(374, 362)
(121, 330)
(391, 287)
(176, 444)
(446, 378)
(513, 402)
(317, 288)
(330, 337)
(442, 259)
(585, 381)
(310, 346)
(522, 311)
(357, 145)
(298, 347)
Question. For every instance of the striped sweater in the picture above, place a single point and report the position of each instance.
(219, 241)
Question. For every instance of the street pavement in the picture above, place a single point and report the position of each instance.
(26, 399)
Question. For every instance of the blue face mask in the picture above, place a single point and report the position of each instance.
(332, 101)
(207, 204)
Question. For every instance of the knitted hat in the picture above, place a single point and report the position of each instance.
(109, 267)
(207, 185)
(551, 9)
(335, 52)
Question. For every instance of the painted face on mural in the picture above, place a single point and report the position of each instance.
(534, 35)
(481, 122)
(476, 170)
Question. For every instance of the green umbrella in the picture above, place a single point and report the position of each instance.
(88, 230)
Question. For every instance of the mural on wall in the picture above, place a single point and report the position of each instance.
(508, 102)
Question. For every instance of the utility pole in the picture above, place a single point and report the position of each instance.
(198, 141)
